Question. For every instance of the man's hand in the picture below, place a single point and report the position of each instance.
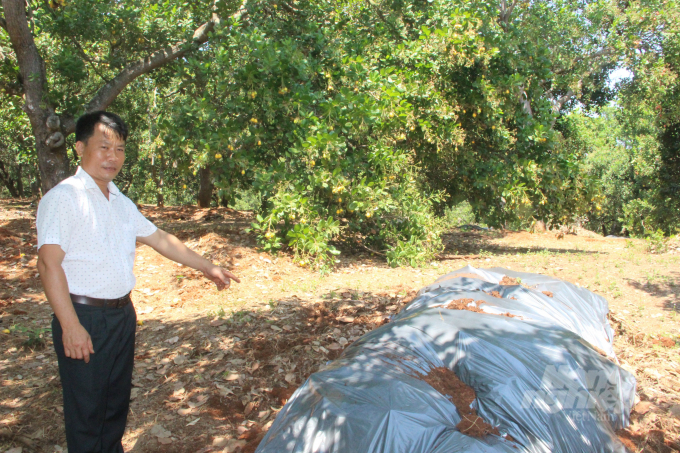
(220, 276)
(77, 343)
(170, 247)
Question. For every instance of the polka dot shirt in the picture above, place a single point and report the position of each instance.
(97, 235)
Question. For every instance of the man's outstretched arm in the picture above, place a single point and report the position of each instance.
(77, 342)
(172, 248)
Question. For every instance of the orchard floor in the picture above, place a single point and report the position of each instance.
(214, 368)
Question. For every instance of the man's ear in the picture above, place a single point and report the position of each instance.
(80, 147)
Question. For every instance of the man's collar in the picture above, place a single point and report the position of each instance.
(90, 184)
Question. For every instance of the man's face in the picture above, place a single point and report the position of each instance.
(102, 155)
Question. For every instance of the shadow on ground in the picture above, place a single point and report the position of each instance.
(217, 376)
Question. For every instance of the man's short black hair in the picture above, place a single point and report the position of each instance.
(86, 124)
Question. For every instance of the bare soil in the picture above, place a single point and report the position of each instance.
(214, 368)
(464, 304)
(462, 396)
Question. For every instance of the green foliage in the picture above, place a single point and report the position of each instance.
(459, 214)
(18, 174)
(357, 124)
(35, 336)
(657, 242)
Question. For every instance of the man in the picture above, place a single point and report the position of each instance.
(87, 232)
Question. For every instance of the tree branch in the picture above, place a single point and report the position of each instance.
(506, 13)
(600, 53)
(524, 100)
(563, 100)
(393, 29)
(107, 93)
(110, 90)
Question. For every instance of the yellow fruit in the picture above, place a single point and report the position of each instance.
(339, 211)
(184, 186)
(368, 215)
(140, 40)
(312, 163)
(283, 90)
(253, 94)
(291, 217)
(6, 331)
(140, 322)
(507, 91)
(218, 156)
(231, 148)
(120, 20)
(474, 115)
(259, 143)
(391, 115)
(339, 200)
(413, 128)
(303, 221)
(243, 172)
(253, 120)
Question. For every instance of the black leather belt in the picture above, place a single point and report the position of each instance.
(104, 303)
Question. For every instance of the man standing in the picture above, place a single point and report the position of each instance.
(87, 231)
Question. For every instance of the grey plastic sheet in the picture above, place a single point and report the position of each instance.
(547, 376)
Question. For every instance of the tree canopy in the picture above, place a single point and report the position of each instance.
(359, 122)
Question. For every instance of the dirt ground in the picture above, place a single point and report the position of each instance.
(214, 368)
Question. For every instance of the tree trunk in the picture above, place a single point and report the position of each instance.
(53, 163)
(35, 186)
(7, 181)
(206, 188)
(20, 182)
(49, 138)
(158, 181)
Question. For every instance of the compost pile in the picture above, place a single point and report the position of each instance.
(482, 360)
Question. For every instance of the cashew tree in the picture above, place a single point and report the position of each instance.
(64, 59)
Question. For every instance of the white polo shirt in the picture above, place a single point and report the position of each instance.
(97, 235)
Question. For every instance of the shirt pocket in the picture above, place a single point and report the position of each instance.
(128, 240)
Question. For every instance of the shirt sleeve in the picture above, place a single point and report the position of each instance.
(143, 226)
(54, 220)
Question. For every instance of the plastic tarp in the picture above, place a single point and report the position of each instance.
(546, 376)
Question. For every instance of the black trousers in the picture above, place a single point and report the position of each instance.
(97, 394)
